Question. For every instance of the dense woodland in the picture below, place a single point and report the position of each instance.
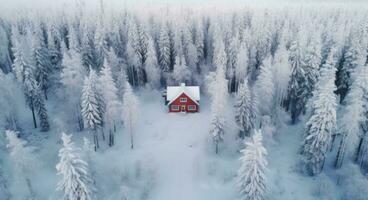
(310, 62)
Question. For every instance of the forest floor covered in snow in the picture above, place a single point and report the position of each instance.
(173, 158)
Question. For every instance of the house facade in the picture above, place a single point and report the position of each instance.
(182, 98)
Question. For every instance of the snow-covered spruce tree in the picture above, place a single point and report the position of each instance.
(92, 106)
(321, 124)
(218, 91)
(245, 113)
(295, 104)
(76, 183)
(72, 79)
(265, 88)
(31, 91)
(354, 115)
(241, 66)
(130, 112)
(11, 101)
(54, 44)
(362, 148)
(252, 173)
(42, 60)
(232, 53)
(21, 56)
(151, 66)
(137, 53)
(108, 92)
(23, 165)
(352, 58)
(163, 44)
(312, 62)
(281, 73)
(42, 114)
(181, 73)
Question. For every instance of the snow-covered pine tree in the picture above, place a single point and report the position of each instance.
(92, 106)
(181, 73)
(354, 115)
(241, 66)
(281, 73)
(11, 101)
(151, 66)
(72, 76)
(130, 112)
(76, 183)
(312, 62)
(199, 43)
(218, 91)
(295, 104)
(352, 58)
(21, 59)
(42, 113)
(251, 179)
(245, 112)
(232, 53)
(321, 124)
(23, 164)
(31, 92)
(163, 44)
(265, 88)
(108, 92)
(42, 63)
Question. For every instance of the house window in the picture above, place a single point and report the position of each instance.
(192, 107)
(183, 100)
(174, 107)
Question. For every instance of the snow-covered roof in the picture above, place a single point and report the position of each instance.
(173, 92)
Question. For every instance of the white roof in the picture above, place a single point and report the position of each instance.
(174, 92)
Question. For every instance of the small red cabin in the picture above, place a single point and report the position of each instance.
(182, 98)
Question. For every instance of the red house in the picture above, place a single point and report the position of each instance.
(182, 98)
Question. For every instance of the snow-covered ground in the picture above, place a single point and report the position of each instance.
(174, 158)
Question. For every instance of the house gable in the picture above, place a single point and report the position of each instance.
(179, 105)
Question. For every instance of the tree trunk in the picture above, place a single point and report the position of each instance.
(358, 149)
(45, 93)
(217, 147)
(95, 139)
(341, 153)
(34, 117)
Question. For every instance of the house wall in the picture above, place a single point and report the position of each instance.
(186, 104)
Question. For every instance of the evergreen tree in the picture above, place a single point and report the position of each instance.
(265, 88)
(218, 91)
(151, 66)
(41, 57)
(295, 104)
(92, 107)
(76, 183)
(312, 62)
(21, 57)
(321, 124)
(42, 114)
(354, 115)
(281, 73)
(164, 49)
(23, 164)
(352, 58)
(245, 113)
(182, 73)
(252, 173)
(72, 76)
(108, 91)
(130, 112)
(32, 92)
(241, 67)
